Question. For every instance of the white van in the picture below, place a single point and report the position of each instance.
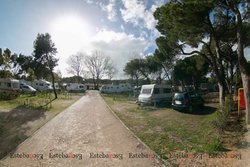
(75, 87)
(8, 84)
(120, 88)
(154, 93)
(27, 88)
(42, 85)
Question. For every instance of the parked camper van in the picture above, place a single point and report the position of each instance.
(155, 93)
(111, 88)
(7, 84)
(42, 85)
(75, 87)
(27, 88)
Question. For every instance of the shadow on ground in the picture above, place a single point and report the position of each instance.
(13, 127)
(205, 110)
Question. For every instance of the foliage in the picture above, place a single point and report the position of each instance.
(9, 95)
(222, 116)
(111, 71)
(207, 24)
(98, 65)
(76, 65)
(44, 52)
(8, 63)
(131, 69)
(143, 67)
(31, 76)
(191, 70)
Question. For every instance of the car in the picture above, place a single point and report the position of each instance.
(27, 89)
(187, 101)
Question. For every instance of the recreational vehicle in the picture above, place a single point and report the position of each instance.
(42, 85)
(75, 87)
(7, 84)
(121, 88)
(151, 94)
(27, 88)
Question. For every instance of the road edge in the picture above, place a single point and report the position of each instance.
(164, 162)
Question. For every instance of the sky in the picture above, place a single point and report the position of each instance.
(121, 29)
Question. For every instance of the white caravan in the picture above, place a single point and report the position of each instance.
(121, 88)
(151, 94)
(42, 85)
(75, 87)
(7, 84)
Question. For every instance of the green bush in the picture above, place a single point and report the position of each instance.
(9, 95)
(222, 116)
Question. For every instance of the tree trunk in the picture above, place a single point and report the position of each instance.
(97, 83)
(137, 81)
(53, 83)
(221, 94)
(246, 86)
(78, 77)
(245, 75)
(94, 82)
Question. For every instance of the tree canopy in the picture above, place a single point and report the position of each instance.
(44, 52)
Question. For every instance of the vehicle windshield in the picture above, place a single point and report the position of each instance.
(178, 96)
(146, 91)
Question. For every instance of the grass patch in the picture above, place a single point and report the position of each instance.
(41, 100)
(21, 117)
(165, 130)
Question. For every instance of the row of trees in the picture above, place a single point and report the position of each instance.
(94, 66)
(40, 64)
(43, 60)
(219, 27)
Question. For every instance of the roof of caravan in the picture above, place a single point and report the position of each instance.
(9, 79)
(42, 80)
(156, 85)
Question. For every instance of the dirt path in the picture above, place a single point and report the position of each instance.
(245, 151)
(85, 134)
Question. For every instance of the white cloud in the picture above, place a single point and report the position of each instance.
(119, 46)
(111, 10)
(135, 12)
(90, 1)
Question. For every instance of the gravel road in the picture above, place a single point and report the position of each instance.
(85, 134)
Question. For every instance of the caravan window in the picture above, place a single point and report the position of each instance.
(156, 90)
(146, 91)
(8, 85)
(15, 85)
(166, 90)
